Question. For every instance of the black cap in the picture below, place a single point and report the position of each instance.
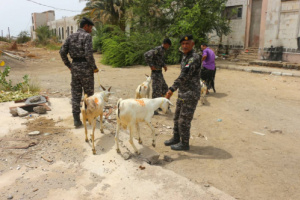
(86, 20)
(186, 38)
(167, 41)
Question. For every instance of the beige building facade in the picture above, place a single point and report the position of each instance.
(271, 26)
(40, 19)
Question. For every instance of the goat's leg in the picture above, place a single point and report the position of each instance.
(117, 137)
(131, 140)
(101, 123)
(84, 123)
(138, 130)
(153, 134)
(93, 136)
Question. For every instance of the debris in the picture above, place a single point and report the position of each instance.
(46, 134)
(10, 196)
(246, 109)
(169, 127)
(40, 109)
(35, 190)
(18, 168)
(167, 158)
(24, 147)
(219, 120)
(258, 133)
(34, 133)
(142, 167)
(126, 156)
(14, 46)
(206, 185)
(22, 112)
(276, 131)
(36, 100)
(14, 112)
(46, 159)
(276, 73)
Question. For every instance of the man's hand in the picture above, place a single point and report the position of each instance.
(169, 94)
(96, 70)
(152, 68)
(165, 68)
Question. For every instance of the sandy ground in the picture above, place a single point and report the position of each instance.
(226, 151)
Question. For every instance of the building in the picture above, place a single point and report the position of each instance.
(62, 28)
(40, 19)
(270, 26)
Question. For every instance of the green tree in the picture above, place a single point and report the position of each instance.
(23, 37)
(43, 35)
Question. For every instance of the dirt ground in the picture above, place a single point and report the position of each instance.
(244, 140)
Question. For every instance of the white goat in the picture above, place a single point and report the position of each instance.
(203, 91)
(132, 111)
(92, 108)
(143, 90)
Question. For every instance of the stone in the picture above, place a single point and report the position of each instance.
(152, 159)
(206, 185)
(34, 133)
(246, 109)
(169, 127)
(276, 73)
(14, 112)
(40, 109)
(287, 74)
(10, 196)
(22, 112)
(167, 158)
(35, 99)
(126, 156)
(275, 131)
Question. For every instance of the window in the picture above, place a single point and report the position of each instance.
(62, 33)
(71, 29)
(68, 31)
(59, 35)
(233, 12)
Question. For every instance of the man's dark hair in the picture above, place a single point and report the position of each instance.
(204, 44)
(167, 41)
(85, 21)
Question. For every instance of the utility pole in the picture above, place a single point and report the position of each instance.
(8, 34)
(1, 33)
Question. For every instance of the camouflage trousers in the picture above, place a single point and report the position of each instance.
(82, 80)
(183, 117)
(159, 85)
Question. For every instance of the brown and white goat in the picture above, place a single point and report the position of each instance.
(132, 111)
(93, 107)
(203, 91)
(143, 90)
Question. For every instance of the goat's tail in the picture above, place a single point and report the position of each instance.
(84, 101)
(118, 104)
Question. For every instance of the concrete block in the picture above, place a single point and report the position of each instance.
(276, 73)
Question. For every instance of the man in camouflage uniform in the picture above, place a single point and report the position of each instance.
(155, 59)
(188, 84)
(83, 67)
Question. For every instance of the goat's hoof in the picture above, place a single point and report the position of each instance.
(118, 151)
(153, 145)
(140, 141)
(86, 140)
(94, 152)
(102, 131)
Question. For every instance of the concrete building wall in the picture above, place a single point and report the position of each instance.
(40, 19)
(237, 37)
(62, 28)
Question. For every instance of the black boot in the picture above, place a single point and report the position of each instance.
(77, 122)
(173, 140)
(181, 146)
(156, 112)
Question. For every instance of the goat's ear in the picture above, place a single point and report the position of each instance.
(170, 102)
(109, 89)
(103, 88)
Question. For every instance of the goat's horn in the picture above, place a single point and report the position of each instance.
(103, 88)
(109, 88)
(146, 75)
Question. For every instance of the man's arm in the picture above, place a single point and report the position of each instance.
(64, 50)
(88, 51)
(149, 55)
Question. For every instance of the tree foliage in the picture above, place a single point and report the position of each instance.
(143, 24)
(23, 37)
(43, 34)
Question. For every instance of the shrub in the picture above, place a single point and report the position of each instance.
(23, 37)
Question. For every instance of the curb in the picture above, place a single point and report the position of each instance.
(259, 71)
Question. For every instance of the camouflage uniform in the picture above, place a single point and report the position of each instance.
(188, 84)
(79, 46)
(155, 58)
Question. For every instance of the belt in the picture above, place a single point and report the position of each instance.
(79, 60)
(157, 71)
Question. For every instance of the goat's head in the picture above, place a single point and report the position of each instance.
(165, 105)
(106, 93)
(148, 78)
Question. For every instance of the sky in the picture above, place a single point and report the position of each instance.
(16, 14)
